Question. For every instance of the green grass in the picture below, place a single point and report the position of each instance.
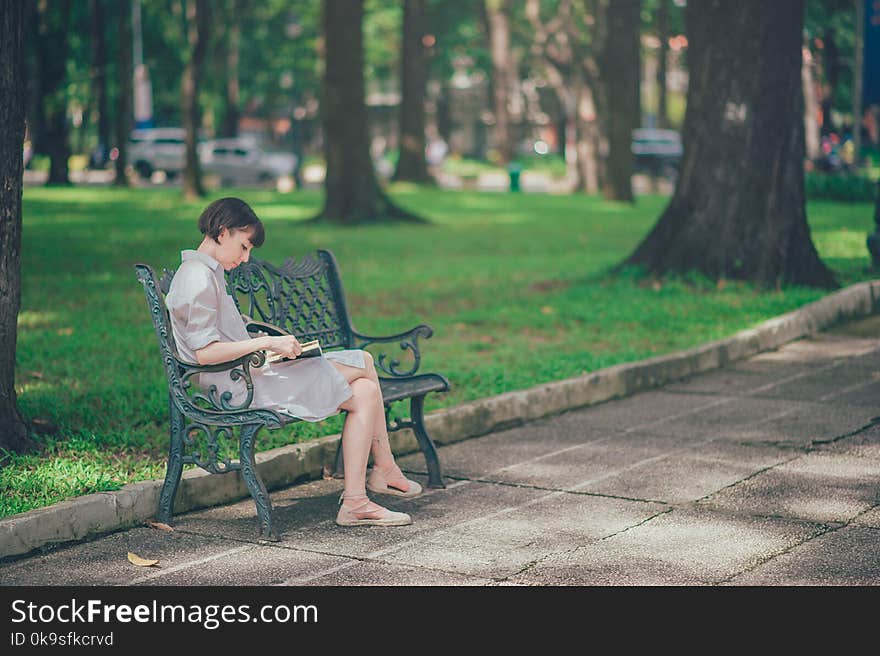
(515, 286)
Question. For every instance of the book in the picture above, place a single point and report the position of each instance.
(309, 350)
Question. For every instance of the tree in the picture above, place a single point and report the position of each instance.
(99, 75)
(123, 114)
(497, 14)
(229, 69)
(198, 21)
(52, 23)
(662, 23)
(738, 210)
(569, 43)
(411, 164)
(351, 191)
(620, 62)
(13, 430)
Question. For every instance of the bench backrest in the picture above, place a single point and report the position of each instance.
(155, 291)
(304, 297)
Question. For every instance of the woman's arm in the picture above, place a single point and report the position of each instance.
(216, 352)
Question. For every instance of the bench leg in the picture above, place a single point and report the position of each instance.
(426, 444)
(174, 470)
(339, 462)
(253, 481)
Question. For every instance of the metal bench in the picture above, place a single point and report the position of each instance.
(305, 298)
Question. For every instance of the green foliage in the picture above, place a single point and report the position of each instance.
(849, 188)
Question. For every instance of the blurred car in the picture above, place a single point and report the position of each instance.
(243, 161)
(157, 149)
(657, 152)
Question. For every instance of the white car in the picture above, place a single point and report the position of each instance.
(157, 149)
(242, 161)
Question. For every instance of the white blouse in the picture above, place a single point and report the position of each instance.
(202, 312)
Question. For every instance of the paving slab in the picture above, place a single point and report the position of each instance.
(677, 478)
(574, 468)
(477, 458)
(502, 543)
(819, 487)
(773, 421)
(370, 572)
(642, 411)
(104, 561)
(679, 547)
(848, 556)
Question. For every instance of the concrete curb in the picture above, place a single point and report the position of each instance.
(95, 514)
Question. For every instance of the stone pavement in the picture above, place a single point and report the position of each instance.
(765, 472)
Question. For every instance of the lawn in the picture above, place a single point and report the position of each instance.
(516, 287)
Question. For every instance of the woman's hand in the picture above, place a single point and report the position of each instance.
(286, 345)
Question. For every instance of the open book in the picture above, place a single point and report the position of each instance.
(309, 350)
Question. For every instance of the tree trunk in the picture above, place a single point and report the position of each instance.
(351, 191)
(232, 112)
(35, 120)
(13, 431)
(738, 210)
(620, 77)
(99, 78)
(54, 19)
(662, 57)
(497, 16)
(198, 22)
(123, 114)
(588, 139)
(411, 165)
(811, 105)
(831, 66)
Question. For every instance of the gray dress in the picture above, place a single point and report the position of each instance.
(202, 312)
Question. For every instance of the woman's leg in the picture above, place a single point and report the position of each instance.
(357, 434)
(383, 457)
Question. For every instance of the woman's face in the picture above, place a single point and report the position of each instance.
(234, 247)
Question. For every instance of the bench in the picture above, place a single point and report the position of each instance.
(305, 298)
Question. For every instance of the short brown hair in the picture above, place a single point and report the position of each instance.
(232, 214)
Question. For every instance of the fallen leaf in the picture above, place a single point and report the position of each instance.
(158, 525)
(134, 559)
(36, 374)
(547, 309)
(65, 331)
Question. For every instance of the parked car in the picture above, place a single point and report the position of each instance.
(157, 149)
(657, 152)
(244, 161)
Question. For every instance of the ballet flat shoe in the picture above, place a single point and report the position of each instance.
(380, 516)
(377, 483)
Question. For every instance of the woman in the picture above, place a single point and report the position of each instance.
(208, 329)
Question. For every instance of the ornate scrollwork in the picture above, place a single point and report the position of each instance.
(238, 370)
(407, 341)
(393, 421)
(299, 296)
(250, 279)
(213, 461)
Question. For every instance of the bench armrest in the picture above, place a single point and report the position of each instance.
(408, 341)
(210, 407)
